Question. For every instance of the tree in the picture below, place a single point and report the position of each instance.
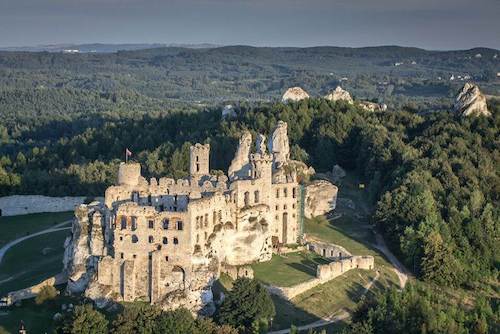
(438, 263)
(47, 292)
(136, 318)
(179, 321)
(247, 302)
(85, 320)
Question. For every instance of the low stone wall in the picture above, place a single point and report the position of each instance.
(342, 262)
(324, 273)
(25, 204)
(325, 249)
(290, 292)
(31, 292)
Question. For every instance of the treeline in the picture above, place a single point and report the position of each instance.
(419, 309)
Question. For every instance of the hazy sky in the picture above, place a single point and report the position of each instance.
(432, 24)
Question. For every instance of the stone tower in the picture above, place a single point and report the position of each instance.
(129, 174)
(199, 160)
(262, 166)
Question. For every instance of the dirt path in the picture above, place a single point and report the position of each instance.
(12, 243)
(399, 269)
(331, 318)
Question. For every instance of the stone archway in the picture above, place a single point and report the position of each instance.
(179, 276)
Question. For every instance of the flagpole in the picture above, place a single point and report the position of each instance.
(126, 156)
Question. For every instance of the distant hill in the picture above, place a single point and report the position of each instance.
(397, 76)
(101, 47)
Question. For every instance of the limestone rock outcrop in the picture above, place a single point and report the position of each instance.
(294, 94)
(279, 145)
(339, 94)
(240, 165)
(372, 106)
(470, 101)
(320, 198)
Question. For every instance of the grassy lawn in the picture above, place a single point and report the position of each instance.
(353, 232)
(32, 261)
(289, 269)
(14, 227)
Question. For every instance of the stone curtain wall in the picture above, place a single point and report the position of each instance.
(26, 204)
(325, 273)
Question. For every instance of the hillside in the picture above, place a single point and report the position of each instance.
(393, 74)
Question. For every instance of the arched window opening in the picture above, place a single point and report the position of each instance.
(151, 224)
(134, 223)
(123, 223)
(247, 198)
(165, 240)
(135, 239)
(294, 192)
(151, 239)
(176, 241)
(165, 224)
(180, 225)
(256, 196)
(285, 192)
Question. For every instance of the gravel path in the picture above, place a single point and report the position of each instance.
(399, 269)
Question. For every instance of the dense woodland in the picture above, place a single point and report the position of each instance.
(433, 177)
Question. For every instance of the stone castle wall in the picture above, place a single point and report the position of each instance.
(165, 241)
(27, 204)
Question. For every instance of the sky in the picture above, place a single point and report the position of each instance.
(430, 24)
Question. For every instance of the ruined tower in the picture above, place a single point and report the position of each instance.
(199, 160)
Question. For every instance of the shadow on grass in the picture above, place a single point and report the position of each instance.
(288, 314)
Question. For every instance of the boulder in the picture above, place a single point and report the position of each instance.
(320, 198)
(470, 101)
(294, 94)
(338, 173)
(339, 94)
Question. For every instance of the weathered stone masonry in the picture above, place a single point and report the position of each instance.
(165, 241)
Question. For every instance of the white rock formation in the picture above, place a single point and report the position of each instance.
(372, 106)
(260, 144)
(240, 165)
(279, 146)
(294, 94)
(320, 198)
(470, 101)
(339, 94)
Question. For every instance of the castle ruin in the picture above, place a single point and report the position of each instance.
(165, 241)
